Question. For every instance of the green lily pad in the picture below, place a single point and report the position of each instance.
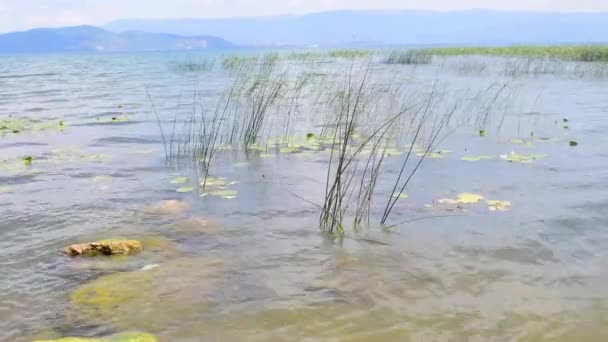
(392, 152)
(185, 189)
(463, 198)
(400, 195)
(476, 158)
(548, 140)
(288, 149)
(521, 158)
(430, 155)
(179, 180)
(496, 205)
(226, 194)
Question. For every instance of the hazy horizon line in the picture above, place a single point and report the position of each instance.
(292, 15)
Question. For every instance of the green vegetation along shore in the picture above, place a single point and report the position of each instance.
(581, 53)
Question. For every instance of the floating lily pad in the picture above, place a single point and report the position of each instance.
(477, 158)
(226, 194)
(214, 182)
(113, 119)
(521, 158)
(573, 143)
(288, 149)
(400, 195)
(393, 152)
(185, 189)
(495, 205)
(463, 198)
(255, 148)
(431, 155)
(548, 140)
(179, 180)
(13, 125)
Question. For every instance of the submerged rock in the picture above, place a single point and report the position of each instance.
(156, 249)
(167, 207)
(104, 247)
(152, 300)
(194, 225)
(122, 337)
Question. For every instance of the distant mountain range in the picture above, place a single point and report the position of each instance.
(89, 38)
(327, 29)
(390, 27)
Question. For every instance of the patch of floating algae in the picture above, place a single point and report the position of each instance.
(151, 300)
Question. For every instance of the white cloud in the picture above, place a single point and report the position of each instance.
(25, 14)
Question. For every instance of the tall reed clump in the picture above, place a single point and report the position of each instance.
(410, 57)
(264, 91)
(360, 133)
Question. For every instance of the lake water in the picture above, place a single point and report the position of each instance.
(256, 267)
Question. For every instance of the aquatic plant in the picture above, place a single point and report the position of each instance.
(411, 57)
(303, 56)
(348, 53)
(201, 65)
(582, 53)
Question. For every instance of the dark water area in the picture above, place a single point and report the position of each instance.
(251, 263)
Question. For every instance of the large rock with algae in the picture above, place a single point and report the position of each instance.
(105, 247)
(122, 337)
(150, 300)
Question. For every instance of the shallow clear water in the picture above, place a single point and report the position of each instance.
(261, 270)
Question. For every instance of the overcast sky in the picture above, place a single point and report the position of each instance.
(26, 14)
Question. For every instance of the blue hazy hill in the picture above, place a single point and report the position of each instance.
(89, 38)
(390, 27)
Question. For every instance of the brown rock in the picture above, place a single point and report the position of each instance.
(105, 247)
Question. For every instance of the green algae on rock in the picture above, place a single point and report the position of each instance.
(104, 247)
(121, 337)
(151, 300)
